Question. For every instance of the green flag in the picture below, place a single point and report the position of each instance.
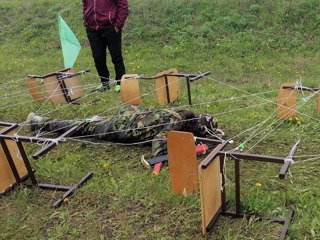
(69, 43)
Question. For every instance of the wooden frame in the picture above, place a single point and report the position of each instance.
(185, 174)
(212, 176)
(60, 87)
(16, 168)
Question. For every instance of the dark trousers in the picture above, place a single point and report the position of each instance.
(100, 41)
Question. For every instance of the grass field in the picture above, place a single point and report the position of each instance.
(251, 47)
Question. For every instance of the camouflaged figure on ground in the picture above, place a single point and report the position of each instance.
(134, 124)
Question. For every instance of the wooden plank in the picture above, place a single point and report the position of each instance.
(173, 85)
(130, 92)
(210, 192)
(287, 102)
(34, 90)
(182, 162)
(73, 85)
(53, 90)
(6, 176)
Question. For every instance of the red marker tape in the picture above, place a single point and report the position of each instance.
(157, 167)
(201, 149)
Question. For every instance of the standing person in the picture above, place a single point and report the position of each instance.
(104, 20)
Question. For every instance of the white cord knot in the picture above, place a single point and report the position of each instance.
(56, 141)
(15, 137)
(290, 160)
(70, 92)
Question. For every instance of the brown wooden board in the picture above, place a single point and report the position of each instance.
(7, 178)
(73, 85)
(210, 192)
(53, 90)
(182, 162)
(287, 102)
(34, 90)
(173, 85)
(130, 92)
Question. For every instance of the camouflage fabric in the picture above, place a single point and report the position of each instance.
(132, 124)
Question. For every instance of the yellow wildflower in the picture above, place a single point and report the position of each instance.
(106, 165)
(258, 184)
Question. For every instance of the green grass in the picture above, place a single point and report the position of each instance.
(249, 46)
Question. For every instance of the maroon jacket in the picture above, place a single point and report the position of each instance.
(100, 14)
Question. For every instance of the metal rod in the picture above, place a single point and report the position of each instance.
(302, 88)
(255, 157)
(28, 138)
(209, 140)
(167, 88)
(285, 227)
(62, 75)
(199, 76)
(188, 89)
(288, 160)
(237, 184)
(223, 182)
(293, 150)
(193, 76)
(51, 145)
(6, 124)
(54, 187)
(284, 169)
(208, 160)
(27, 163)
(57, 203)
(64, 89)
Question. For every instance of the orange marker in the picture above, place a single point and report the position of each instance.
(157, 167)
(201, 149)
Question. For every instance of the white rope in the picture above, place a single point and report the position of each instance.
(255, 95)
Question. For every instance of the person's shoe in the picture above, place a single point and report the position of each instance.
(101, 88)
(117, 88)
(35, 122)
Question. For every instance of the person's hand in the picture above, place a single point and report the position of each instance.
(116, 29)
